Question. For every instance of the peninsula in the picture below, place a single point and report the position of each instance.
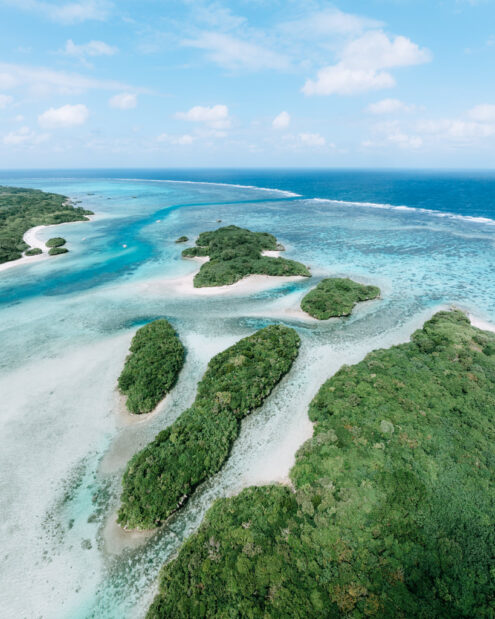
(392, 509)
(336, 297)
(159, 479)
(151, 370)
(22, 209)
(235, 253)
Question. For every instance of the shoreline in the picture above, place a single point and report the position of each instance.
(251, 284)
(480, 323)
(30, 237)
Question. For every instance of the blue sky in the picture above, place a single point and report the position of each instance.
(185, 83)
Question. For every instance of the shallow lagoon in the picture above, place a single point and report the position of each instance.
(65, 326)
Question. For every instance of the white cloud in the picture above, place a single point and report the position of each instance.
(124, 101)
(327, 22)
(376, 50)
(405, 141)
(389, 106)
(312, 139)
(484, 112)
(341, 80)
(282, 121)
(456, 129)
(362, 63)
(5, 100)
(41, 81)
(68, 12)
(181, 140)
(90, 49)
(234, 53)
(63, 117)
(24, 137)
(215, 116)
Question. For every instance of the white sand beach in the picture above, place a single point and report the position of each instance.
(31, 238)
(184, 286)
(481, 324)
(252, 284)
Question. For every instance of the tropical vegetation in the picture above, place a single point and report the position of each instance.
(235, 253)
(152, 367)
(56, 241)
(55, 251)
(22, 209)
(392, 509)
(160, 478)
(336, 297)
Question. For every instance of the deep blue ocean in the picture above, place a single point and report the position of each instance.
(427, 239)
(460, 192)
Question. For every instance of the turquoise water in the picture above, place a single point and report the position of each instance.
(66, 323)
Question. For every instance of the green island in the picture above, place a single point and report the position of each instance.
(392, 509)
(22, 209)
(34, 251)
(56, 251)
(182, 239)
(336, 297)
(235, 253)
(152, 367)
(159, 479)
(56, 241)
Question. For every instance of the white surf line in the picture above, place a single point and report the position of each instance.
(414, 209)
(289, 194)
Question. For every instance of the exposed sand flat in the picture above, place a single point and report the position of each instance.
(184, 286)
(271, 253)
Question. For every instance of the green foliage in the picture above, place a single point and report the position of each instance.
(57, 241)
(235, 253)
(182, 239)
(34, 251)
(152, 368)
(159, 478)
(394, 505)
(22, 209)
(56, 251)
(336, 297)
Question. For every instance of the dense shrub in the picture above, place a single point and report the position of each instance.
(159, 478)
(394, 505)
(235, 253)
(34, 251)
(22, 209)
(182, 239)
(151, 370)
(56, 241)
(336, 297)
(55, 251)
